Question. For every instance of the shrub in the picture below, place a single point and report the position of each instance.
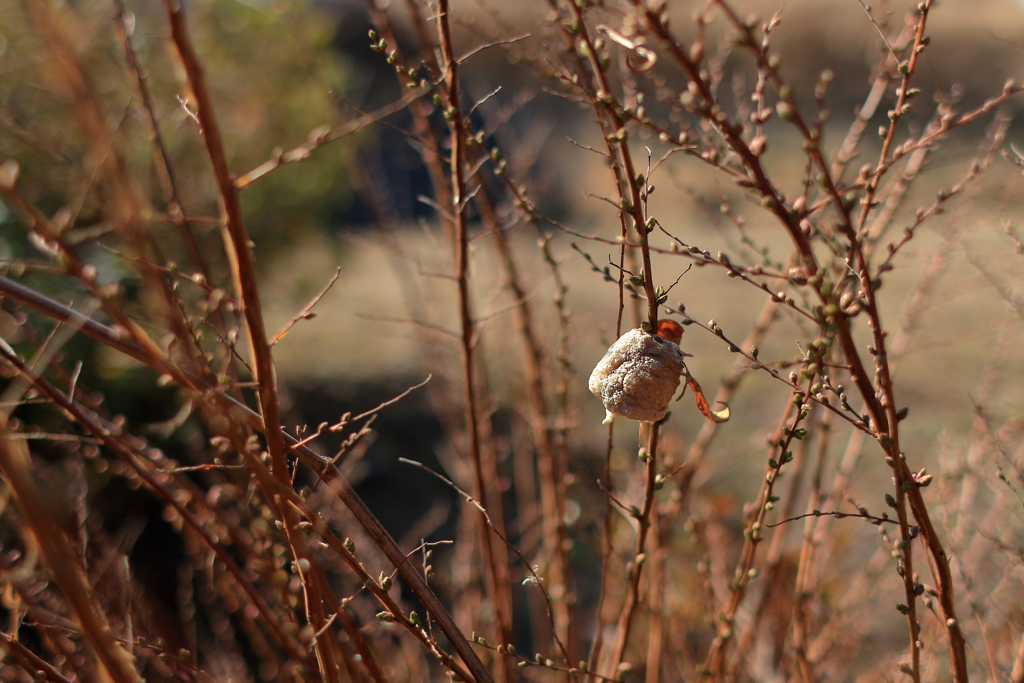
(169, 512)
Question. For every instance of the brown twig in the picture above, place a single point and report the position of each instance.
(321, 466)
(497, 574)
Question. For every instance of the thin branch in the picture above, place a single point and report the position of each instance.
(323, 135)
(306, 313)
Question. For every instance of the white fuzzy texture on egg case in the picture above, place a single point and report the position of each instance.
(638, 376)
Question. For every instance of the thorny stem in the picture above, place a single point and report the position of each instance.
(325, 469)
(44, 523)
(239, 248)
(801, 610)
(544, 434)
(771, 575)
(423, 127)
(497, 573)
(177, 207)
(126, 212)
(636, 565)
(533, 576)
(633, 190)
(429, 139)
(548, 465)
(633, 201)
(715, 662)
(880, 420)
(28, 660)
(704, 97)
(656, 598)
(237, 238)
(882, 412)
(172, 191)
(740, 370)
(124, 207)
(907, 71)
(816, 531)
(106, 434)
(607, 527)
(330, 475)
(606, 549)
(144, 348)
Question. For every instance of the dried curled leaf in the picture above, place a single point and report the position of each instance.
(671, 330)
(702, 403)
(639, 58)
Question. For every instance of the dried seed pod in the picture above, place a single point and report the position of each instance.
(638, 376)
